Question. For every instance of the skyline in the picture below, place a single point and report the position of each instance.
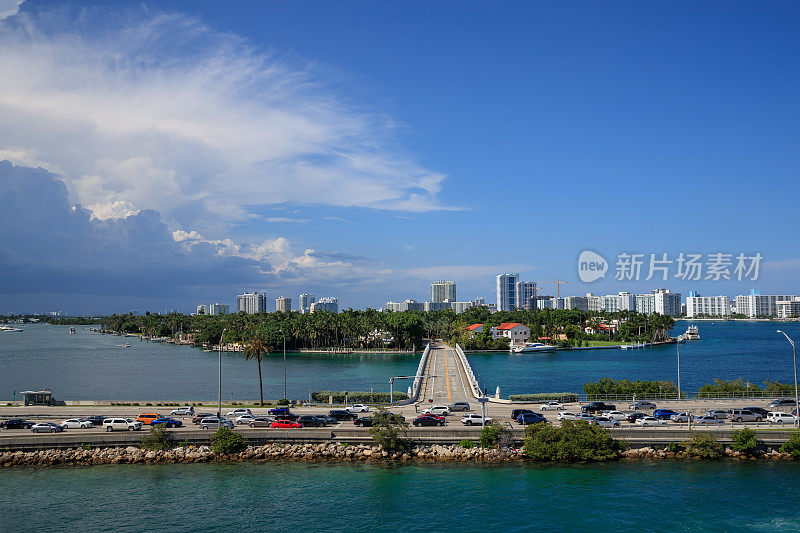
(367, 150)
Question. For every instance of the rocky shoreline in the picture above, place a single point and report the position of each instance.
(313, 452)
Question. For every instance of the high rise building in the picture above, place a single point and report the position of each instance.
(507, 291)
(408, 305)
(580, 303)
(219, 309)
(442, 291)
(251, 303)
(283, 304)
(328, 303)
(757, 305)
(460, 307)
(667, 303)
(526, 294)
(201, 310)
(697, 305)
(305, 303)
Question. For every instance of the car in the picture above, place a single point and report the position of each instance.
(357, 408)
(708, 420)
(16, 423)
(782, 402)
(167, 422)
(586, 417)
(616, 415)
(530, 418)
(261, 422)
(682, 417)
(781, 418)
(642, 405)
(46, 427)
(650, 421)
(342, 415)
(186, 410)
(552, 406)
(213, 422)
(239, 412)
(244, 419)
(121, 424)
(744, 415)
(516, 412)
(285, 424)
(76, 423)
(598, 407)
(428, 420)
(717, 413)
(308, 421)
(763, 413)
(566, 416)
(441, 410)
(96, 420)
(459, 406)
(364, 421)
(633, 417)
(196, 419)
(470, 419)
(146, 418)
(287, 416)
(605, 422)
(664, 414)
(328, 419)
(278, 410)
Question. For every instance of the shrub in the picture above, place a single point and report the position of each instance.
(224, 441)
(573, 441)
(744, 440)
(676, 447)
(388, 431)
(792, 446)
(148, 404)
(563, 397)
(357, 396)
(158, 439)
(607, 386)
(466, 443)
(705, 445)
(283, 401)
(493, 434)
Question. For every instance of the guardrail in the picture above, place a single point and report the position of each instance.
(475, 388)
(423, 360)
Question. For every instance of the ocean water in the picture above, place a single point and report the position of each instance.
(620, 497)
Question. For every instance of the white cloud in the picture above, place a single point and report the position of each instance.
(9, 8)
(161, 112)
(116, 209)
(289, 220)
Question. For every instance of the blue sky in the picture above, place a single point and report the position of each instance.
(361, 149)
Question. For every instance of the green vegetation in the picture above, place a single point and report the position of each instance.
(792, 446)
(356, 396)
(283, 401)
(722, 387)
(563, 397)
(494, 435)
(257, 348)
(573, 441)
(705, 445)
(604, 343)
(388, 431)
(744, 440)
(158, 439)
(642, 389)
(466, 443)
(224, 441)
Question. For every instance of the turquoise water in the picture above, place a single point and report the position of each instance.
(90, 366)
(621, 497)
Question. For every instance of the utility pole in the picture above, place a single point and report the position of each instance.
(219, 378)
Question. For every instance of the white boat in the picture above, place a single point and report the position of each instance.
(691, 333)
(6, 327)
(533, 347)
(636, 346)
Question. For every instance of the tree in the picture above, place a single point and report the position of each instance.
(256, 349)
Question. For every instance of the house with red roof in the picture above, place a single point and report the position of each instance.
(474, 329)
(514, 331)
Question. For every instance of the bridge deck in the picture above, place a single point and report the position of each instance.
(450, 383)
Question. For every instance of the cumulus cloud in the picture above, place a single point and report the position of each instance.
(140, 111)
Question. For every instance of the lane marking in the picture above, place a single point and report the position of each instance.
(447, 375)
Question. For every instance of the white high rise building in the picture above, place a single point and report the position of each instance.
(328, 303)
(526, 294)
(708, 306)
(219, 309)
(667, 303)
(408, 305)
(507, 291)
(443, 291)
(580, 303)
(283, 304)
(760, 305)
(623, 301)
(251, 303)
(305, 303)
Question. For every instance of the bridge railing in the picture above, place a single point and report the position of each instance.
(415, 388)
(473, 383)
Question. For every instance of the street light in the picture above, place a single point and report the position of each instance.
(794, 356)
(219, 378)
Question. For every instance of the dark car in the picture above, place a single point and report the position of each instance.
(166, 422)
(200, 416)
(287, 416)
(759, 411)
(342, 415)
(598, 407)
(530, 418)
(516, 412)
(308, 421)
(633, 417)
(96, 420)
(428, 421)
(17, 423)
(364, 421)
(783, 402)
(279, 411)
(328, 420)
(664, 414)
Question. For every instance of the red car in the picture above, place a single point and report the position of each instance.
(285, 424)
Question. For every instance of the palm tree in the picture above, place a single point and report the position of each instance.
(256, 349)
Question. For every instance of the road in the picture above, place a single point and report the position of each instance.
(447, 382)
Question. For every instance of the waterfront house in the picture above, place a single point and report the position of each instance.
(514, 331)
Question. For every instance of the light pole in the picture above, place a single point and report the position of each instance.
(284, 362)
(678, 346)
(219, 378)
(794, 357)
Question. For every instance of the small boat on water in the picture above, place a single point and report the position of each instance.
(6, 327)
(530, 347)
(636, 346)
(72, 331)
(127, 346)
(691, 333)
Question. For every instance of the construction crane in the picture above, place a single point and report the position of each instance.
(558, 283)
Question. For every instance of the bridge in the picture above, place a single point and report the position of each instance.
(445, 376)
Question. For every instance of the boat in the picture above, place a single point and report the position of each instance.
(6, 327)
(691, 333)
(636, 346)
(127, 346)
(529, 347)
(72, 331)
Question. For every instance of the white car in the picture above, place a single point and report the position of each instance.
(781, 418)
(470, 419)
(212, 422)
(650, 421)
(76, 423)
(586, 417)
(707, 420)
(616, 415)
(244, 419)
(552, 406)
(605, 422)
(186, 410)
(357, 408)
(683, 417)
(121, 424)
(567, 416)
(440, 410)
(240, 412)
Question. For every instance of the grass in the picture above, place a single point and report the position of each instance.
(605, 343)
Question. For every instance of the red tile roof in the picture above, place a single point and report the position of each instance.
(508, 325)
(474, 326)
